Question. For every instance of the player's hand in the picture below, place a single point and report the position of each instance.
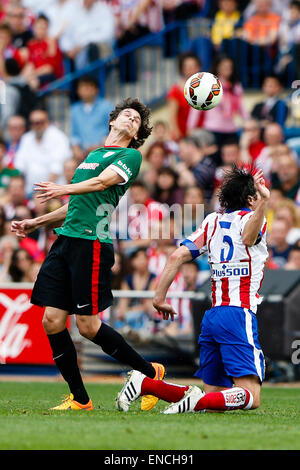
(23, 227)
(260, 184)
(49, 190)
(164, 309)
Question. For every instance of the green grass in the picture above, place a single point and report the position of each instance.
(27, 423)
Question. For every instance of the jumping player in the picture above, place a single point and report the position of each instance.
(75, 277)
(231, 359)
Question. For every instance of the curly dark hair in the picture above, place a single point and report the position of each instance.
(237, 186)
(143, 110)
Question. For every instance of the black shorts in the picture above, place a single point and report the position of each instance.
(76, 276)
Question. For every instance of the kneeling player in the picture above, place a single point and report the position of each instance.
(230, 353)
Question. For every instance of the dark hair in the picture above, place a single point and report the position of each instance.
(12, 67)
(143, 110)
(234, 79)
(43, 17)
(273, 76)
(159, 145)
(139, 184)
(2, 143)
(237, 186)
(89, 80)
(157, 192)
(295, 3)
(14, 271)
(187, 55)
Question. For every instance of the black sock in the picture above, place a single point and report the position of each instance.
(65, 357)
(115, 345)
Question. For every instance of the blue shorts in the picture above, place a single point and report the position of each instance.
(229, 346)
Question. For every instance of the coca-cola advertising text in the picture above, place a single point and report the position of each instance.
(22, 337)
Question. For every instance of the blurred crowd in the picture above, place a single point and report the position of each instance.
(184, 162)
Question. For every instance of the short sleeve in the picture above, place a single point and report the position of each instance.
(197, 241)
(127, 165)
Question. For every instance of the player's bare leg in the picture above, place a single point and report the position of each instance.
(65, 357)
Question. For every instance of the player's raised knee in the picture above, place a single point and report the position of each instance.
(88, 326)
(52, 321)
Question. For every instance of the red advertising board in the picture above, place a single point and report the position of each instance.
(22, 337)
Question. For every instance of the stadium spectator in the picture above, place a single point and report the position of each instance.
(21, 266)
(273, 108)
(208, 144)
(7, 49)
(6, 173)
(136, 313)
(286, 210)
(251, 143)
(37, 157)
(161, 135)
(221, 119)
(14, 195)
(85, 38)
(15, 129)
(143, 212)
(119, 270)
(182, 326)
(293, 261)
(289, 40)
(231, 155)
(262, 27)
(134, 20)
(166, 189)
(89, 118)
(60, 14)
(20, 98)
(277, 240)
(276, 196)
(225, 21)
(182, 117)
(8, 244)
(286, 177)
(195, 168)
(21, 32)
(45, 59)
(193, 209)
(273, 137)
(156, 158)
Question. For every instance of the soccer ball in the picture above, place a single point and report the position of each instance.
(203, 91)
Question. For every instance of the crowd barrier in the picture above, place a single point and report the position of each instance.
(23, 340)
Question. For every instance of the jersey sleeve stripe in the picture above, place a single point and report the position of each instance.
(192, 247)
(120, 172)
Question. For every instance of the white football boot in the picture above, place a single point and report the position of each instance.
(187, 403)
(131, 390)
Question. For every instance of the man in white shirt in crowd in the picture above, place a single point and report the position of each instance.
(42, 151)
(83, 28)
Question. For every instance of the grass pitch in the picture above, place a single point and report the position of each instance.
(27, 423)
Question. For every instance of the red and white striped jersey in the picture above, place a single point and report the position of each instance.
(236, 270)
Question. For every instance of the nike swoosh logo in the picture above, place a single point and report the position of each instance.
(81, 306)
(108, 154)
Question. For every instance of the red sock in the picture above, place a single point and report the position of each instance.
(163, 390)
(231, 399)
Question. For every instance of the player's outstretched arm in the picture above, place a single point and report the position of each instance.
(180, 256)
(255, 222)
(49, 190)
(55, 218)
